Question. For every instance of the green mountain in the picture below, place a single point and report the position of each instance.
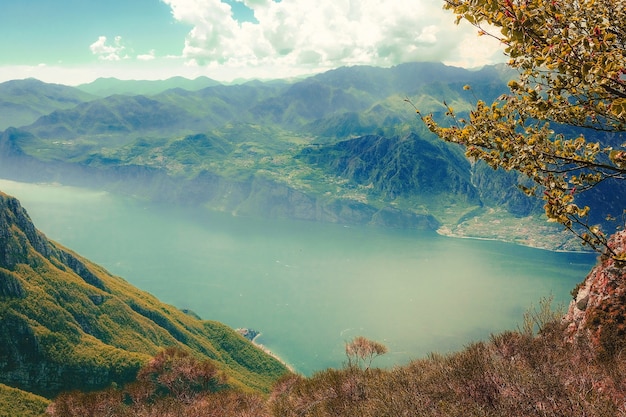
(24, 101)
(398, 166)
(104, 87)
(69, 324)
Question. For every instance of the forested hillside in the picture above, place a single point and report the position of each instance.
(69, 324)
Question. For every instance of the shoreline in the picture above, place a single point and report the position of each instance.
(446, 232)
(252, 336)
(265, 349)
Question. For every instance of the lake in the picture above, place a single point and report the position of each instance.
(308, 287)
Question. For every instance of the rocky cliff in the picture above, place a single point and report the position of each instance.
(598, 312)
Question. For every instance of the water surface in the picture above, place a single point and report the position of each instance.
(308, 287)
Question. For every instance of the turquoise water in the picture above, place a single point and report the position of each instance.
(307, 287)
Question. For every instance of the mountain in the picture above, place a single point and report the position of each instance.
(69, 324)
(289, 106)
(398, 166)
(24, 101)
(342, 146)
(104, 87)
(114, 116)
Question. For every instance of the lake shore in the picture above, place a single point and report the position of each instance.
(533, 232)
(269, 352)
(253, 336)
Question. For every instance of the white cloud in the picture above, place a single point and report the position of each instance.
(307, 35)
(106, 51)
(147, 57)
(289, 38)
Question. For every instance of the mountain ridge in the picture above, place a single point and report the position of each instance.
(109, 86)
(196, 147)
(69, 324)
(23, 101)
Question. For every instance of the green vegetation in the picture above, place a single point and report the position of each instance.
(17, 403)
(68, 324)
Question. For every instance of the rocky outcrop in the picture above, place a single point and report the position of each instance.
(598, 311)
(25, 363)
(10, 285)
(16, 233)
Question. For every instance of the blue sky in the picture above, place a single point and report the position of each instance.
(76, 41)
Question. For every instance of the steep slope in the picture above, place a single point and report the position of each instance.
(598, 311)
(17, 403)
(24, 101)
(68, 324)
(398, 166)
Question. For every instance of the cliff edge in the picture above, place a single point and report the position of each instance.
(598, 311)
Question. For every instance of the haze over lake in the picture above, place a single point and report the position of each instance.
(308, 287)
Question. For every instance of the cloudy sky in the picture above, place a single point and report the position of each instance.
(77, 41)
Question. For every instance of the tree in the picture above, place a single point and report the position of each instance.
(174, 372)
(362, 351)
(570, 55)
(172, 383)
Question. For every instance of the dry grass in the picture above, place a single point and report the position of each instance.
(515, 373)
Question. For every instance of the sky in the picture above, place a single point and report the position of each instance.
(76, 41)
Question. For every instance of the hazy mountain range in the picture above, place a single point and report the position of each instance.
(343, 146)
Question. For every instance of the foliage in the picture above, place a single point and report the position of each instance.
(361, 352)
(16, 403)
(538, 317)
(572, 72)
(176, 373)
(173, 383)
